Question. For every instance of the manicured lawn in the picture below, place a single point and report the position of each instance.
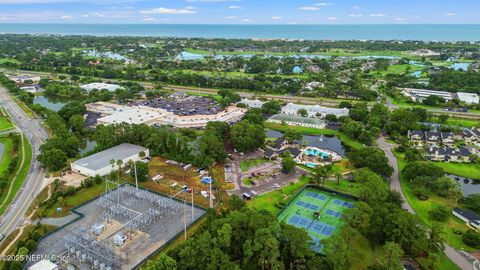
(344, 186)
(7, 154)
(467, 170)
(313, 131)
(76, 199)
(267, 201)
(22, 174)
(5, 124)
(422, 209)
(9, 60)
(250, 163)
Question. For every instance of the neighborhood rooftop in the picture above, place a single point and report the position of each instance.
(103, 158)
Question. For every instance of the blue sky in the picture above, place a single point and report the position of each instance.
(241, 11)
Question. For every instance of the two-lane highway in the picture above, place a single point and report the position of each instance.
(36, 135)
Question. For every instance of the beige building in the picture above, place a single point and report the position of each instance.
(114, 114)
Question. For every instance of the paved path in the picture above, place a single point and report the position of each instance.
(61, 221)
(14, 216)
(459, 259)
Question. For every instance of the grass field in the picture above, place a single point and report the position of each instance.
(250, 163)
(8, 153)
(467, 170)
(22, 174)
(318, 212)
(9, 60)
(5, 124)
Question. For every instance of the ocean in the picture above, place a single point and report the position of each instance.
(425, 32)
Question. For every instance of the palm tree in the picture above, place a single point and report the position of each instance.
(119, 165)
(339, 177)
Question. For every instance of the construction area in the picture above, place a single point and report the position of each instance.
(119, 229)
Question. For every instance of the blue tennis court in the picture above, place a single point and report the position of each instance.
(343, 203)
(315, 195)
(333, 213)
(322, 228)
(300, 221)
(307, 205)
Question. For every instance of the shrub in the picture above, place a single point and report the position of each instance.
(421, 193)
(439, 213)
(471, 238)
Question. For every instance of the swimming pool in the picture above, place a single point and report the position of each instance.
(311, 165)
(315, 152)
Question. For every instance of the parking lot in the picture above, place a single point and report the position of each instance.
(273, 177)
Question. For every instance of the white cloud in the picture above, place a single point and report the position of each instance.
(332, 18)
(400, 19)
(322, 4)
(356, 8)
(355, 15)
(309, 8)
(230, 17)
(173, 11)
(450, 14)
(246, 20)
(149, 19)
(5, 19)
(66, 17)
(378, 15)
(292, 23)
(235, 7)
(85, 16)
(277, 18)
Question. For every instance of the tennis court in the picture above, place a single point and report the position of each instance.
(318, 212)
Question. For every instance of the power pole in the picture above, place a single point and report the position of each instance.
(193, 216)
(135, 168)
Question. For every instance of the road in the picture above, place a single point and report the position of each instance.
(328, 102)
(455, 256)
(32, 129)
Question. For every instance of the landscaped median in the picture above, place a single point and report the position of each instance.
(22, 156)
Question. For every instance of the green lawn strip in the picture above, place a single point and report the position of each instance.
(313, 131)
(20, 177)
(268, 201)
(74, 200)
(467, 170)
(24, 107)
(402, 103)
(344, 186)
(443, 263)
(9, 60)
(423, 207)
(5, 124)
(250, 163)
(7, 154)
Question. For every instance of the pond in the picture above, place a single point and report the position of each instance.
(50, 103)
(468, 186)
(332, 143)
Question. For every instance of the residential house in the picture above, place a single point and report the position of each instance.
(432, 136)
(448, 138)
(471, 218)
(416, 135)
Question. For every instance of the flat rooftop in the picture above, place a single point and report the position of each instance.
(102, 159)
